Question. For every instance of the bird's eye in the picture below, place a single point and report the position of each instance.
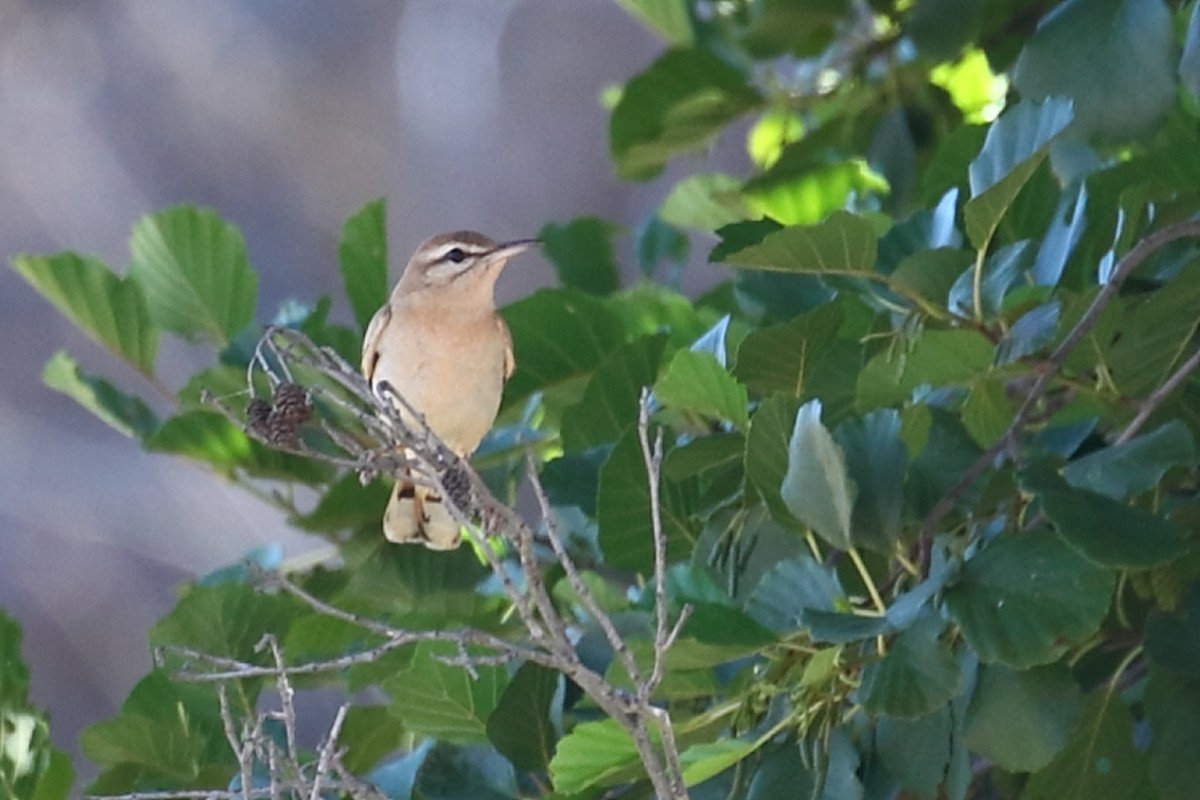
(456, 255)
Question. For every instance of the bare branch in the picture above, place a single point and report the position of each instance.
(1159, 396)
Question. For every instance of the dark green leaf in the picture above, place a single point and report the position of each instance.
(1099, 760)
(948, 452)
(521, 727)
(1021, 720)
(838, 628)
(572, 479)
(659, 241)
(1157, 334)
(1173, 639)
(781, 358)
(916, 677)
(14, 675)
(1070, 220)
(844, 244)
(681, 102)
(696, 382)
(609, 405)
(1015, 145)
(1029, 334)
(192, 266)
(791, 588)
(369, 733)
(767, 453)
(937, 359)
(623, 510)
(557, 335)
(1172, 708)
(125, 413)
(582, 254)
(1024, 598)
(1106, 531)
(465, 773)
(363, 253)
(817, 487)
(58, 779)
(876, 460)
(1114, 58)
(1133, 466)
(917, 751)
(443, 701)
(1001, 271)
(227, 620)
(929, 274)
(705, 456)
(110, 310)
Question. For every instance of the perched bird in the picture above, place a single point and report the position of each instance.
(441, 345)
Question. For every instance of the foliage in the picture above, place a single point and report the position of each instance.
(930, 479)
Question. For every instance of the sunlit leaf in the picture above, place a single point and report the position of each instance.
(844, 244)
(127, 414)
(111, 310)
(193, 268)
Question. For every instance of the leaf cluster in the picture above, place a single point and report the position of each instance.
(930, 480)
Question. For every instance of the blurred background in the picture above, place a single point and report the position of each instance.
(286, 116)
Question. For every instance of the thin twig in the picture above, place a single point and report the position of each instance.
(1158, 397)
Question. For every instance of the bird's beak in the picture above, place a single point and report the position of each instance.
(510, 249)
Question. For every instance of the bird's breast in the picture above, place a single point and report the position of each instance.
(450, 369)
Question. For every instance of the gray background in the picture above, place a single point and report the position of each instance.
(286, 116)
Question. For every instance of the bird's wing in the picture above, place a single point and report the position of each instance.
(510, 361)
(370, 348)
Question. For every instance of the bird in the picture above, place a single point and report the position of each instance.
(440, 344)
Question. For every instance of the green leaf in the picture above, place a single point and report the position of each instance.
(791, 588)
(987, 412)
(706, 455)
(1115, 58)
(623, 510)
(1104, 530)
(1021, 720)
(705, 201)
(1137, 465)
(582, 254)
(193, 268)
(363, 253)
(1099, 760)
(781, 358)
(1025, 598)
(210, 437)
(1172, 708)
(876, 461)
(593, 754)
(807, 197)
(1015, 145)
(609, 405)
(558, 334)
(442, 701)
(227, 620)
(696, 382)
(1173, 639)
(521, 727)
(844, 244)
(703, 761)
(347, 505)
(14, 675)
(58, 779)
(110, 310)
(681, 102)
(767, 453)
(125, 413)
(930, 274)
(817, 487)
(917, 751)
(170, 731)
(670, 20)
(917, 676)
(1157, 335)
(368, 734)
(937, 359)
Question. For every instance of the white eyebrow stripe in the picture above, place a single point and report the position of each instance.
(471, 250)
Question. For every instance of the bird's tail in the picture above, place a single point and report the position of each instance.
(416, 515)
